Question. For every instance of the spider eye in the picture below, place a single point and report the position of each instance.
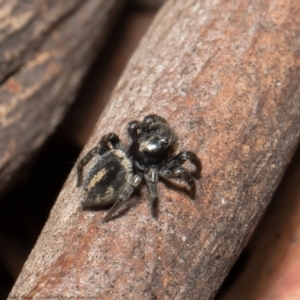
(149, 121)
(165, 142)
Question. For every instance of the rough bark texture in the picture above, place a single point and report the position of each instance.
(272, 271)
(225, 75)
(45, 48)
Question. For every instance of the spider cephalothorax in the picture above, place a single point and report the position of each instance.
(118, 172)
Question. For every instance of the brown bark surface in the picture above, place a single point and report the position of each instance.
(225, 75)
(45, 49)
(272, 269)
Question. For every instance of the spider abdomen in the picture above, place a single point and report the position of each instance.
(107, 178)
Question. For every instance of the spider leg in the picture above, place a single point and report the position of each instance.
(96, 150)
(123, 197)
(152, 179)
(113, 139)
(181, 158)
(181, 173)
(132, 129)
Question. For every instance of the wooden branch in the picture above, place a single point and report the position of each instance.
(272, 270)
(46, 48)
(225, 75)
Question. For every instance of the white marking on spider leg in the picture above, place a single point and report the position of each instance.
(136, 180)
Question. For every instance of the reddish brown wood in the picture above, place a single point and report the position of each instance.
(45, 49)
(272, 268)
(225, 75)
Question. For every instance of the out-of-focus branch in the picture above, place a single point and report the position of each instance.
(225, 75)
(46, 48)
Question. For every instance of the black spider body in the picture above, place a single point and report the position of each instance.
(155, 142)
(107, 178)
(150, 156)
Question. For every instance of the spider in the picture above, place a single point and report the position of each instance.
(117, 172)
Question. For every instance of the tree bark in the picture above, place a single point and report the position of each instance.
(272, 269)
(45, 49)
(225, 76)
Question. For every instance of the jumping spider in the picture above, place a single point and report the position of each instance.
(118, 172)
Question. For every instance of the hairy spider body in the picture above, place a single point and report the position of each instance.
(154, 143)
(118, 172)
(108, 177)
